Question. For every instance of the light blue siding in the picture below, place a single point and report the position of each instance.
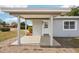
(59, 32)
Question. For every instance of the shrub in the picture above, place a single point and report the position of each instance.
(30, 29)
(4, 29)
(22, 27)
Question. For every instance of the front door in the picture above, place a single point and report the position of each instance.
(45, 27)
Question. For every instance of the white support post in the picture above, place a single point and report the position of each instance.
(51, 31)
(18, 31)
(25, 27)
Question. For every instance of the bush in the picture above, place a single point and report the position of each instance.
(30, 29)
(22, 27)
(4, 29)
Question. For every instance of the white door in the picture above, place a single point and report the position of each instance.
(45, 27)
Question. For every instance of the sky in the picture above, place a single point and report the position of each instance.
(24, 3)
(9, 19)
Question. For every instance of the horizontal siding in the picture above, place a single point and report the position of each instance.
(58, 28)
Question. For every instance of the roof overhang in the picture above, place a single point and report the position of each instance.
(34, 10)
(25, 13)
(67, 17)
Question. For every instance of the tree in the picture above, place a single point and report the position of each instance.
(1, 21)
(74, 12)
(22, 23)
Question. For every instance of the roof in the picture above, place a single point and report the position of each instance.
(33, 11)
(44, 7)
(36, 8)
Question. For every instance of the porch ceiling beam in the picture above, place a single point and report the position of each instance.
(32, 13)
(35, 16)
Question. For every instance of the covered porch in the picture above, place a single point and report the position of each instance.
(46, 35)
(39, 37)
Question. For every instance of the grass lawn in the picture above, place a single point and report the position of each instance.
(9, 34)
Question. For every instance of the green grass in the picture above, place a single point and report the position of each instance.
(9, 34)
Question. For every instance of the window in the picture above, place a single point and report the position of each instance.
(46, 25)
(70, 25)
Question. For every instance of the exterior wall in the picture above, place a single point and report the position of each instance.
(37, 27)
(58, 28)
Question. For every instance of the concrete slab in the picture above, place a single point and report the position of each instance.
(36, 40)
(28, 40)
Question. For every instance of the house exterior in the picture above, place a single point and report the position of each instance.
(63, 26)
(47, 21)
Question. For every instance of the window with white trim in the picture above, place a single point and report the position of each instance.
(70, 25)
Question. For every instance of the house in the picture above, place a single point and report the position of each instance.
(46, 22)
(1, 26)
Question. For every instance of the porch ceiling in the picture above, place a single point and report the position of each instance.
(35, 15)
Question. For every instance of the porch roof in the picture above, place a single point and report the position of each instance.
(33, 13)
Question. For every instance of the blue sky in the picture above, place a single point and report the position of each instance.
(9, 19)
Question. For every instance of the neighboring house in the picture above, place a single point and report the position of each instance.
(47, 21)
(1, 26)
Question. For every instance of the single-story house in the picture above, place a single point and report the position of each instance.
(1, 26)
(46, 22)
